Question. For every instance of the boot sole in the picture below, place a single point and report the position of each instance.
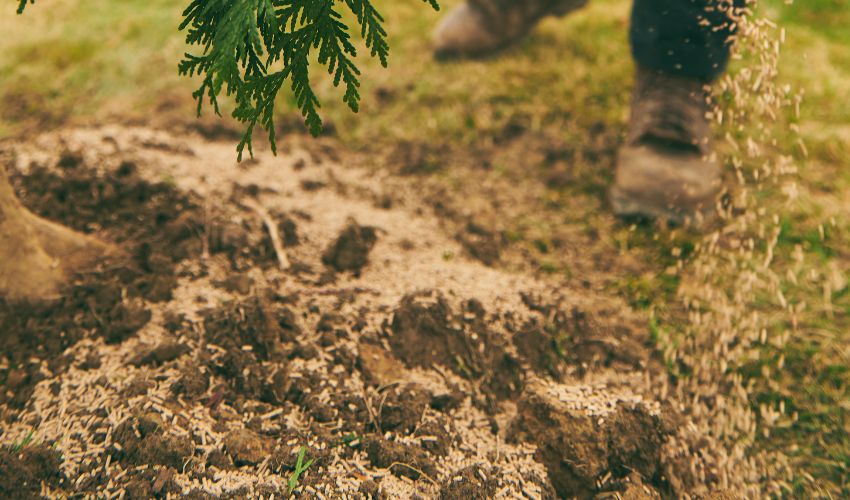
(448, 55)
(631, 207)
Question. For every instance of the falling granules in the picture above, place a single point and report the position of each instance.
(726, 285)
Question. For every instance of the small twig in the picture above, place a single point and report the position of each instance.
(414, 469)
(341, 291)
(205, 240)
(368, 404)
(271, 227)
(388, 385)
(381, 410)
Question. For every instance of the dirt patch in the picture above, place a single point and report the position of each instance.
(157, 225)
(249, 323)
(566, 339)
(214, 374)
(402, 408)
(417, 158)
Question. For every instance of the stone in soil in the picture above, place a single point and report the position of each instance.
(246, 447)
(164, 352)
(378, 366)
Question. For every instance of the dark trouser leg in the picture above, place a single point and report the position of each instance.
(680, 37)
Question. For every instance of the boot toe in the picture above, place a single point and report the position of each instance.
(673, 185)
(463, 33)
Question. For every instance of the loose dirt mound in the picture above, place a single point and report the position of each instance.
(382, 363)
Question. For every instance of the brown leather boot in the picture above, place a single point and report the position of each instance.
(666, 169)
(482, 27)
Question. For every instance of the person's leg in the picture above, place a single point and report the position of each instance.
(667, 169)
(681, 37)
(482, 27)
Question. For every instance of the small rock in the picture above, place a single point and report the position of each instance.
(247, 447)
(379, 367)
(162, 353)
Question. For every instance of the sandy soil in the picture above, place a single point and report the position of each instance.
(300, 305)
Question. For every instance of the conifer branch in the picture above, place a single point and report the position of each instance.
(250, 49)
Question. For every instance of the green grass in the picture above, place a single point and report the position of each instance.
(564, 93)
(17, 447)
(85, 61)
(300, 468)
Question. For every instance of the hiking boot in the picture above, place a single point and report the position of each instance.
(482, 27)
(667, 169)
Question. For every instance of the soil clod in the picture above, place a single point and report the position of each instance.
(579, 442)
(402, 460)
(350, 252)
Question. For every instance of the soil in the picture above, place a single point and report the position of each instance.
(195, 365)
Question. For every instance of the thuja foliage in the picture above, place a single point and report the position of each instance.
(250, 49)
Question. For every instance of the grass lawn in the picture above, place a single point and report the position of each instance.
(565, 92)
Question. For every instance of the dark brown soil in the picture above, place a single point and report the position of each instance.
(402, 408)
(426, 331)
(267, 369)
(23, 471)
(482, 244)
(403, 460)
(579, 449)
(158, 227)
(144, 441)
